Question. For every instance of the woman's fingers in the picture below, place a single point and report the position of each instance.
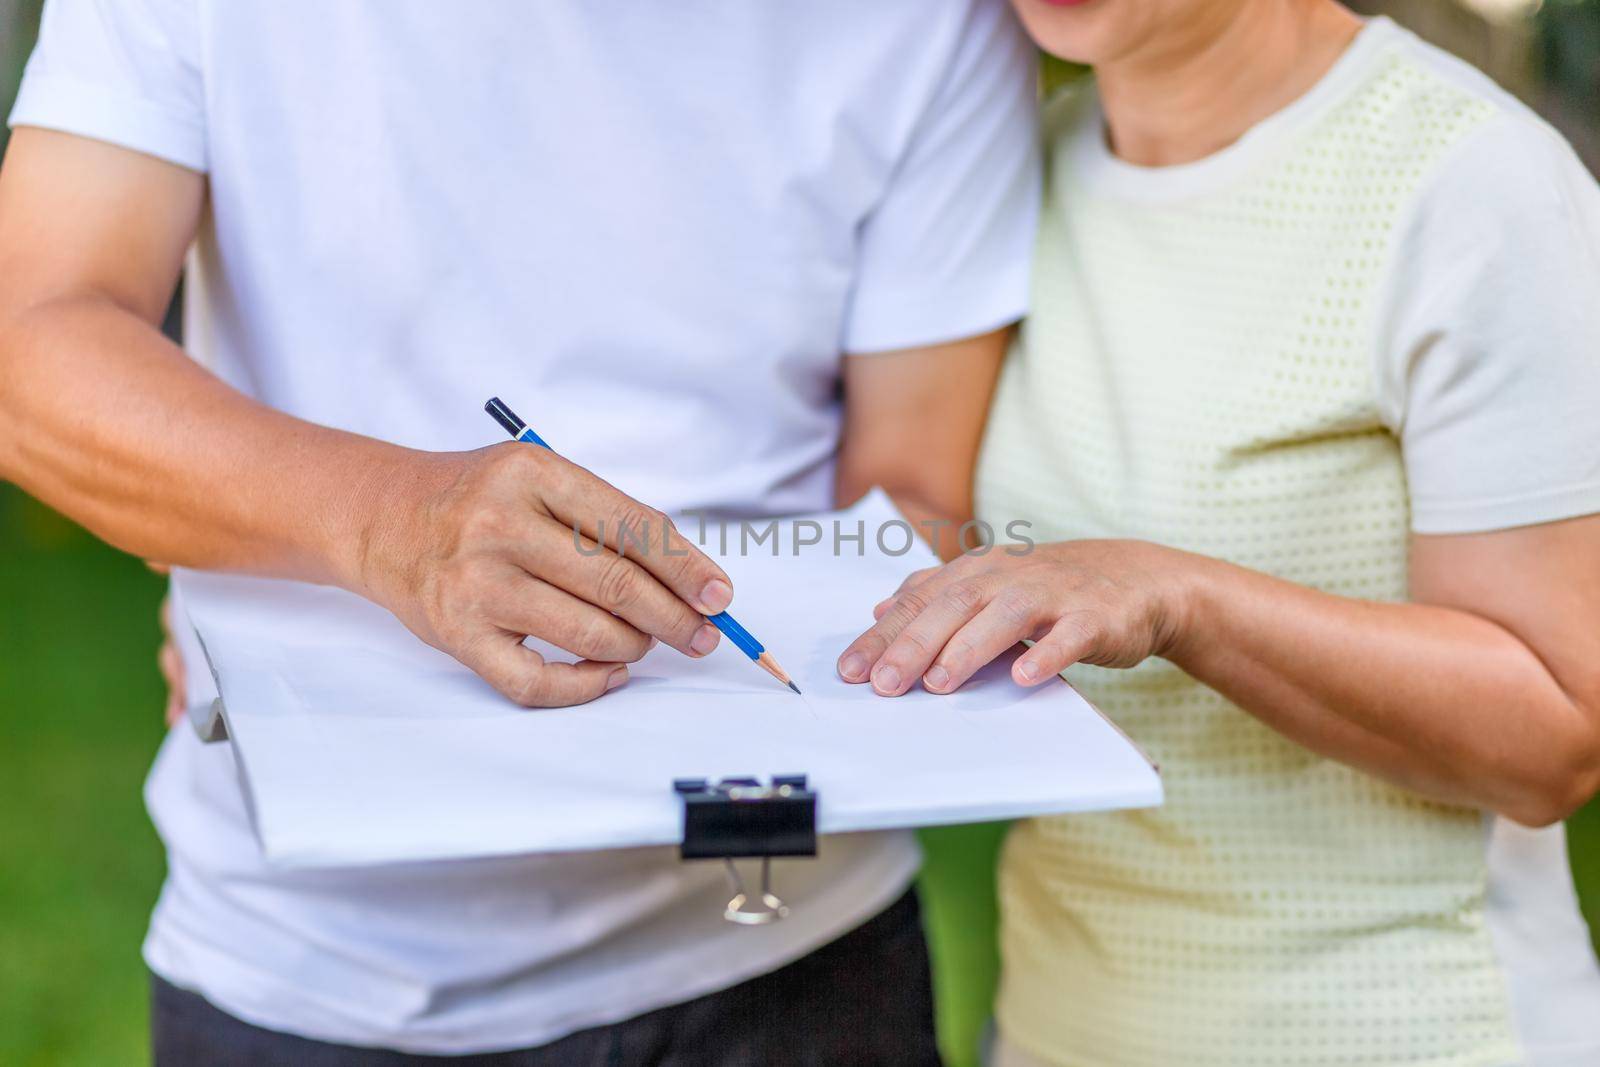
(862, 655)
(1006, 619)
(1072, 639)
(912, 652)
(914, 579)
(1080, 601)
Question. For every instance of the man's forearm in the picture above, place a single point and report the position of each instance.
(108, 421)
(105, 419)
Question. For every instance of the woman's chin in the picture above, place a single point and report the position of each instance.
(1080, 31)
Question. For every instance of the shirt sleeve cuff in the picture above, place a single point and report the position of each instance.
(1483, 516)
(95, 112)
(887, 322)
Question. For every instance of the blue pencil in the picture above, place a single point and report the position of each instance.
(742, 639)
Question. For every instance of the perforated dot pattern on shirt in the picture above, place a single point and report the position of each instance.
(1198, 372)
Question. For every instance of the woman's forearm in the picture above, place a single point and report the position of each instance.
(1485, 691)
(1441, 700)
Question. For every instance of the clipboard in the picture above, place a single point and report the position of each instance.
(727, 819)
(331, 706)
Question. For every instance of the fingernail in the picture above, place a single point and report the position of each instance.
(853, 667)
(716, 596)
(617, 677)
(704, 639)
(886, 680)
(1028, 669)
(937, 677)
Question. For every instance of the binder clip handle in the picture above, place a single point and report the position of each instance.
(741, 817)
(738, 910)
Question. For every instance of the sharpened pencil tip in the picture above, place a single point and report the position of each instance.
(796, 688)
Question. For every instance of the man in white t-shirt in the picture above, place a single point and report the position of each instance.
(742, 257)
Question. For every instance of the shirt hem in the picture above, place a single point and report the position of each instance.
(962, 312)
(90, 111)
(1508, 513)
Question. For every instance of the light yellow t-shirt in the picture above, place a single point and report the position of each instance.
(1250, 357)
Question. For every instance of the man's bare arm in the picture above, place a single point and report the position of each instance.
(110, 422)
(913, 423)
(106, 420)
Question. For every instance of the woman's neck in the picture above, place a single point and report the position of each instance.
(1198, 89)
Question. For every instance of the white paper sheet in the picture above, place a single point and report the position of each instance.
(360, 744)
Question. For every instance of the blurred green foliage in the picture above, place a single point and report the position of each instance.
(80, 719)
(1567, 43)
(19, 20)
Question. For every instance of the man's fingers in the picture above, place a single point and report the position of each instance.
(620, 586)
(524, 676)
(1070, 640)
(606, 515)
(913, 652)
(170, 662)
(530, 606)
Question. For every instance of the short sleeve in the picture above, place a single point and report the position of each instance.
(126, 72)
(945, 252)
(1488, 341)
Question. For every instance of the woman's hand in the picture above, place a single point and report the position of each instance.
(1111, 603)
(1481, 692)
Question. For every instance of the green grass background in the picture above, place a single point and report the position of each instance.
(80, 718)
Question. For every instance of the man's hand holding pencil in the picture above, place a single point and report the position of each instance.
(482, 549)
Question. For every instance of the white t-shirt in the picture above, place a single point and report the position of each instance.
(1483, 338)
(653, 230)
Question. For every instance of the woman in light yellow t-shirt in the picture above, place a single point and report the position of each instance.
(1304, 422)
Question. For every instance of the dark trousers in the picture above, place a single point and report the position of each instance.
(864, 999)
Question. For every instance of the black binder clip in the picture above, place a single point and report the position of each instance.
(738, 818)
